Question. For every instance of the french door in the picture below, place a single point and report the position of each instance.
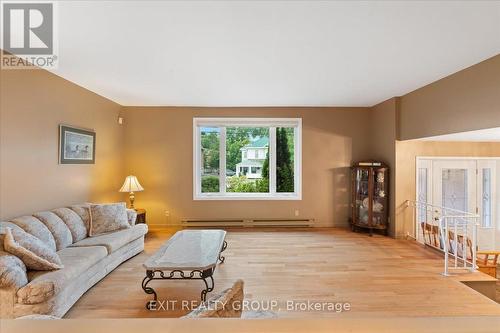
(454, 185)
(466, 185)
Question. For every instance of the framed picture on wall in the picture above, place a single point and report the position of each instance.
(76, 145)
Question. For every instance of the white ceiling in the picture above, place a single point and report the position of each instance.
(484, 135)
(269, 53)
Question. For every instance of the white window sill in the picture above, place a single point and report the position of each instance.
(246, 196)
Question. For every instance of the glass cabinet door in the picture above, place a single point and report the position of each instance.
(361, 211)
(380, 197)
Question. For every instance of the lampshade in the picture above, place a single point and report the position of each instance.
(131, 184)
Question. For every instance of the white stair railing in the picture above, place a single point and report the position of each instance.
(451, 231)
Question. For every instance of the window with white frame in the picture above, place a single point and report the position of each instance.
(247, 158)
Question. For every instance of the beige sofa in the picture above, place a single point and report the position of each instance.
(86, 260)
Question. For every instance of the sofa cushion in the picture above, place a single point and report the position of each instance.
(12, 271)
(35, 227)
(108, 217)
(59, 229)
(83, 210)
(116, 239)
(43, 285)
(34, 253)
(74, 223)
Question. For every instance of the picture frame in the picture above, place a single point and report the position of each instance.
(76, 145)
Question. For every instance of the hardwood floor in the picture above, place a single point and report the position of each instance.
(377, 276)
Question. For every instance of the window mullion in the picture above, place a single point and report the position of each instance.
(222, 161)
(297, 160)
(272, 160)
(197, 160)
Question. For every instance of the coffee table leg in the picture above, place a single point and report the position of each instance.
(207, 276)
(221, 257)
(148, 290)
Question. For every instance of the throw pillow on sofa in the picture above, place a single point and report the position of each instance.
(3, 231)
(108, 217)
(227, 304)
(34, 253)
(12, 271)
(83, 210)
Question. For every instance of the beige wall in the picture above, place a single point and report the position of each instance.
(382, 145)
(156, 145)
(159, 151)
(465, 101)
(406, 154)
(32, 105)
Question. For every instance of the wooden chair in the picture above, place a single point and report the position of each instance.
(486, 261)
(431, 234)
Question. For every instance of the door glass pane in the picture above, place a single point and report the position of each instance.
(455, 189)
(210, 139)
(422, 194)
(486, 196)
(247, 159)
(285, 160)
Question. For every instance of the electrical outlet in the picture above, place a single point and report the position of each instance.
(167, 213)
(297, 212)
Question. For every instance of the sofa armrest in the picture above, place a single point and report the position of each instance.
(7, 301)
(131, 216)
(12, 277)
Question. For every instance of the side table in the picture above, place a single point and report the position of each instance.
(141, 216)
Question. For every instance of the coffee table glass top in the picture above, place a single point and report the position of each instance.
(188, 250)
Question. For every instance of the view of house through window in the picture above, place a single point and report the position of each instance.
(246, 155)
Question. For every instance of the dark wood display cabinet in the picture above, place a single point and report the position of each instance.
(370, 197)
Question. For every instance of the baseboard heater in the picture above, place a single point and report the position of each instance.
(247, 222)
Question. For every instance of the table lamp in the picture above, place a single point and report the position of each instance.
(131, 185)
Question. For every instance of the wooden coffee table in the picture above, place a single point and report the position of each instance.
(188, 255)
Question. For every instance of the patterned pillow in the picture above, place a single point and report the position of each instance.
(83, 210)
(12, 271)
(3, 231)
(107, 217)
(227, 304)
(132, 216)
(35, 227)
(34, 253)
